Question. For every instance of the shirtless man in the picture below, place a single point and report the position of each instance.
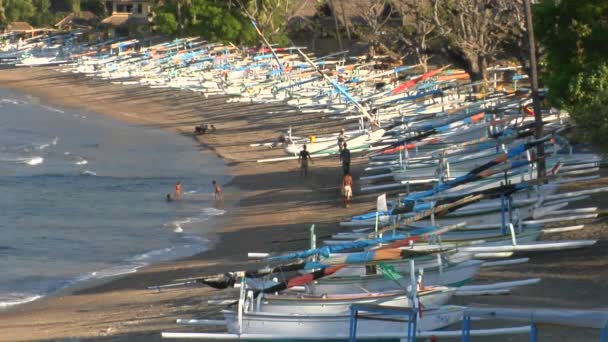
(347, 189)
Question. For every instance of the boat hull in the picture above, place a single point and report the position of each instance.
(293, 326)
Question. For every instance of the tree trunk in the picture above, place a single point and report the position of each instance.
(472, 66)
(346, 24)
(483, 66)
(538, 118)
(179, 18)
(333, 13)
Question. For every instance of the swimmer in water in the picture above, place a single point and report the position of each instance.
(178, 190)
(217, 191)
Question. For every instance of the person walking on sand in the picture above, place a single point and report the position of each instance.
(303, 159)
(345, 159)
(178, 190)
(341, 140)
(217, 191)
(347, 189)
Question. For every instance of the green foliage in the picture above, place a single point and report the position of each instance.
(166, 22)
(212, 20)
(2, 15)
(573, 33)
(42, 16)
(95, 6)
(75, 6)
(18, 10)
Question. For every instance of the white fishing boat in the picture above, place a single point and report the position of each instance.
(300, 303)
(356, 277)
(336, 326)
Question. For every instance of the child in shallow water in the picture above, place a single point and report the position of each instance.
(217, 191)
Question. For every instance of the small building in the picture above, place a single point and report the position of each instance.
(20, 27)
(23, 29)
(127, 17)
(82, 21)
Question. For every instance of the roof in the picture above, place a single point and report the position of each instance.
(307, 8)
(123, 19)
(81, 17)
(20, 26)
(352, 10)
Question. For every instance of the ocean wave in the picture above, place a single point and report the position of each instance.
(53, 109)
(205, 214)
(82, 162)
(47, 145)
(157, 255)
(11, 299)
(13, 101)
(88, 173)
(213, 211)
(34, 161)
(113, 271)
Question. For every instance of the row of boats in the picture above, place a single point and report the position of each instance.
(459, 167)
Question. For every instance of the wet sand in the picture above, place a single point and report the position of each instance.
(272, 208)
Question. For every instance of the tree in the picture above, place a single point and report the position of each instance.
(42, 15)
(573, 34)
(97, 7)
(212, 20)
(474, 31)
(179, 15)
(220, 21)
(418, 29)
(75, 6)
(18, 10)
(271, 17)
(3, 22)
(375, 15)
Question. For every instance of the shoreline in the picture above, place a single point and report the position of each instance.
(275, 208)
(253, 190)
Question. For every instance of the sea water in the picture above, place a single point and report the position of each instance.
(82, 196)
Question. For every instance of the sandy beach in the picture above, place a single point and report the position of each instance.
(270, 209)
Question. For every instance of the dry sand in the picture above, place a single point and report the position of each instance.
(271, 210)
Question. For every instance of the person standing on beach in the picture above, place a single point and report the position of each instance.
(347, 189)
(341, 140)
(303, 159)
(217, 191)
(178, 190)
(345, 159)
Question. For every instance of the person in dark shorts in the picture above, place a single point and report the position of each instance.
(345, 159)
(303, 159)
(341, 140)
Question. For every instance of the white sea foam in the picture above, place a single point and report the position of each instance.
(213, 212)
(53, 109)
(81, 161)
(10, 299)
(206, 213)
(12, 101)
(150, 257)
(34, 161)
(89, 173)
